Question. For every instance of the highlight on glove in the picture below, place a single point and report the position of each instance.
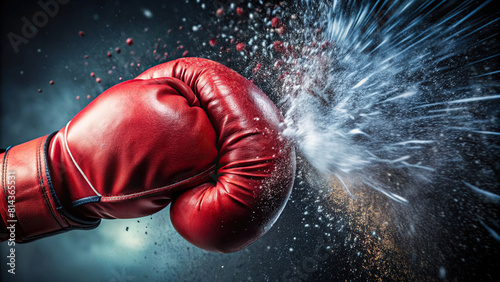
(189, 133)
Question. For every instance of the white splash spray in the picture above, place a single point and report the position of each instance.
(392, 93)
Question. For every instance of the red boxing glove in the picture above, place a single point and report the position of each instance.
(189, 132)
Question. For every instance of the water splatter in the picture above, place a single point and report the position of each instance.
(395, 93)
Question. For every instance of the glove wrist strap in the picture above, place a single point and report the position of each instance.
(28, 202)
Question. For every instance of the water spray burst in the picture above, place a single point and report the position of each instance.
(394, 95)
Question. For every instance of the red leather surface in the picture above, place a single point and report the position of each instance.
(190, 132)
(134, 143)
(256, 166)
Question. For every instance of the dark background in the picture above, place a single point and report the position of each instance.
(322, 235)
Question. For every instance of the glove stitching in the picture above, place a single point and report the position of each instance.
(155, 190)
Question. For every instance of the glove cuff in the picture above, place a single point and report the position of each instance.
(29, 206)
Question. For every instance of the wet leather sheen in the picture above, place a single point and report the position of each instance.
(191, 133)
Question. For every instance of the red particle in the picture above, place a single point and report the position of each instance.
(219, 12)
(92, 74)
(98, 80)
(110, 72)
(240, 46)
(185, 53)
(180, 47)
(232, 41)
(40, 90)
(159, 39)
(281, 30)
(278, 46)
(165, 55)
(212, 41)
(169, 31)
(88, 96)
(81, 33)
(278, 64)
(281, 77)
(154, 51)
(78, 97)
(181, 27)
(239, 11)
(178, 42)
(51, 82)
(109, 54)
(276, 22)
(257, 67)
(86, 56)
(129, 41)
(120, 78)
(118, 50)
